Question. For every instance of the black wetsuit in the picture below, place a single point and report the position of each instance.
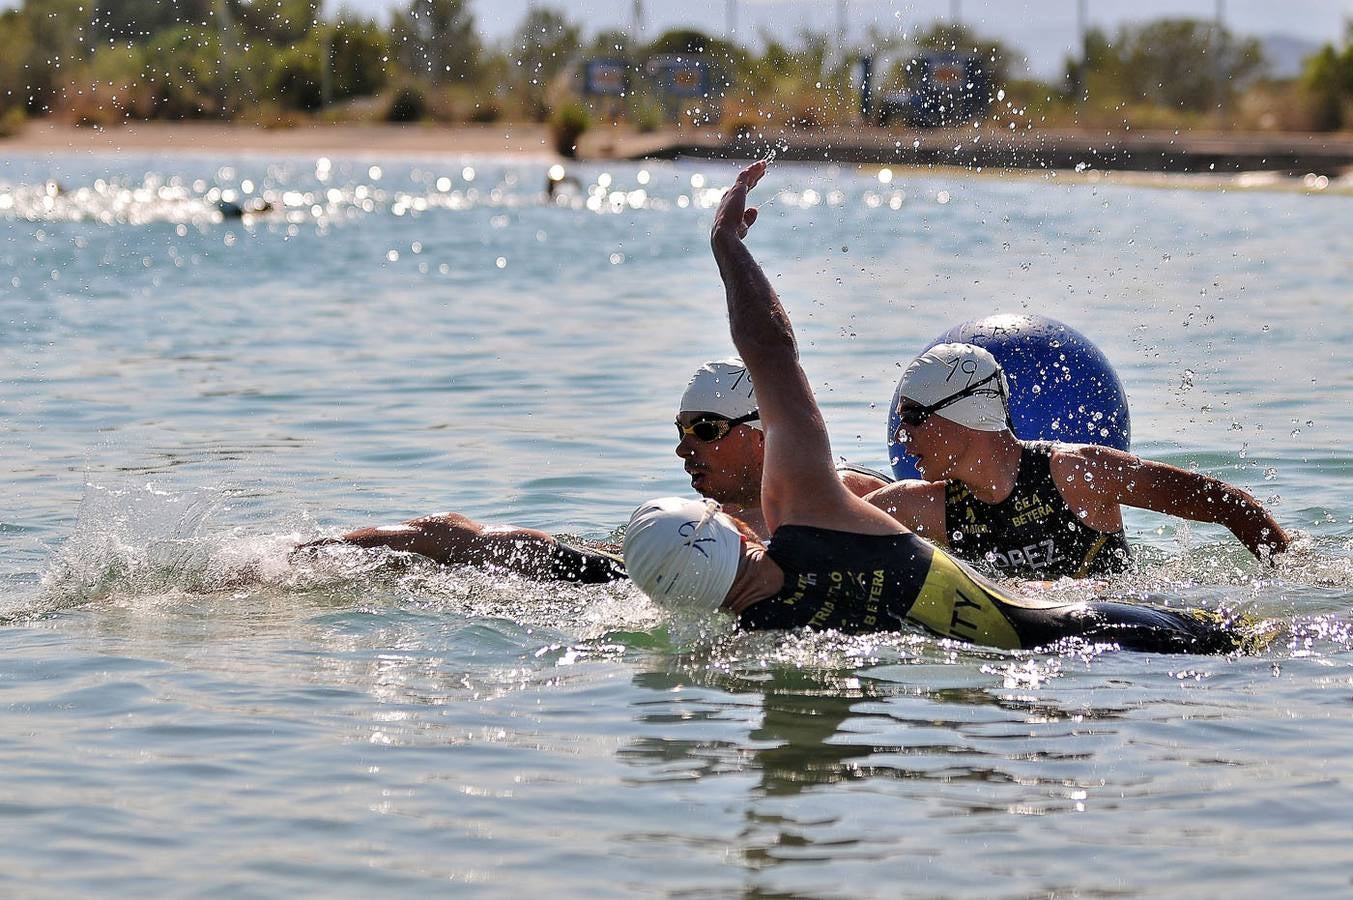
(859, 583)
(1032, 533)
(585, 565)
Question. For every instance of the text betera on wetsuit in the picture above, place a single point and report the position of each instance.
(1032, 532)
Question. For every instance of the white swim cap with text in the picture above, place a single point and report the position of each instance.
(946, 370)
(724, 387)
(682, 553)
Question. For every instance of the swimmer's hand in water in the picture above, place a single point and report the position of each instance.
(735, 218)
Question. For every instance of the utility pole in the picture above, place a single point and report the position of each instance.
(955, 11)
(732, 8)
(1083, 68)
(224, 32)
(1219, 61)
(638, 17)
(841, 23)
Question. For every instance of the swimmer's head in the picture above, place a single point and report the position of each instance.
(959, 382)
(683, 553)
(723, 387)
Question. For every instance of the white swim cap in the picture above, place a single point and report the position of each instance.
(724, 387)
(946, 370)
(682, 552)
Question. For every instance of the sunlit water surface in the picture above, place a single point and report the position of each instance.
(187, 710)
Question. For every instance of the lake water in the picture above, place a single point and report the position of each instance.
(187, 711)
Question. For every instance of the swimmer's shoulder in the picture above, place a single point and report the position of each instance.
(860, 480)
(917, 504)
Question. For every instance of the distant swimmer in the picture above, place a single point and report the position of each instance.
(1035, 509)
(835, 561)
(557, 179)
(229, 209)
(719, 438)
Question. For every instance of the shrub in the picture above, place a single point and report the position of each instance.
(567, 125)
(407, 105)
(11, 121)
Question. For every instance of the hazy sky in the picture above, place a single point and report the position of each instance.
(1045, 30)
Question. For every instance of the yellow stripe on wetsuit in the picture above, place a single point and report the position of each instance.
(953, 604)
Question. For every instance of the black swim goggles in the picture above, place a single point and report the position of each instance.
(713, 427)
(914, 415)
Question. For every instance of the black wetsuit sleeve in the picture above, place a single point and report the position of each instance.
(585, 566)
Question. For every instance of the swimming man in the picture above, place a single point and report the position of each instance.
(1035, 509)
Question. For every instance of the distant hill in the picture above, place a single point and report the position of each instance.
(1286, 54)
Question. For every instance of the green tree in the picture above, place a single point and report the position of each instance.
(1184, 64)
(1328, 81)
(436, 40)
(359, 50)
(279, 22)
(611, 43)
(188, 75)
(56, 42)
(296, 77)
(544, 43)
(16, 45)
(342, 59)
(955, 37)
(728, 63)
(138, 20)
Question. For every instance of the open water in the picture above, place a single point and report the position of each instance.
(185, 710)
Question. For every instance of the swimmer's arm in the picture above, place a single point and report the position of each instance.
(799, 482)
(1168, 489)
(860, 483)
(919, 505)
(453, 539)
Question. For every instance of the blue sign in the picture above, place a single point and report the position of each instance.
(678, 76)
(606, 78)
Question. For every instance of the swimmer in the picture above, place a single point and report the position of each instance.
(719, 438)
(1035, 509)
(557, 178)
(835, 561)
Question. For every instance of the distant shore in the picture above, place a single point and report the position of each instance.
(216, 138)
(1084, 150)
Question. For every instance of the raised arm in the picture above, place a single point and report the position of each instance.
(799, 482)
(1163, 488)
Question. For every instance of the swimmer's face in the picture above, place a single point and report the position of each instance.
(727, 469)
(936, 445)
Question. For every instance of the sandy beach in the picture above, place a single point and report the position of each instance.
(1197, 155)
(215, 138)
(378, 139)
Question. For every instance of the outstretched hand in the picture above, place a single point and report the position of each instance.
(735, 217)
